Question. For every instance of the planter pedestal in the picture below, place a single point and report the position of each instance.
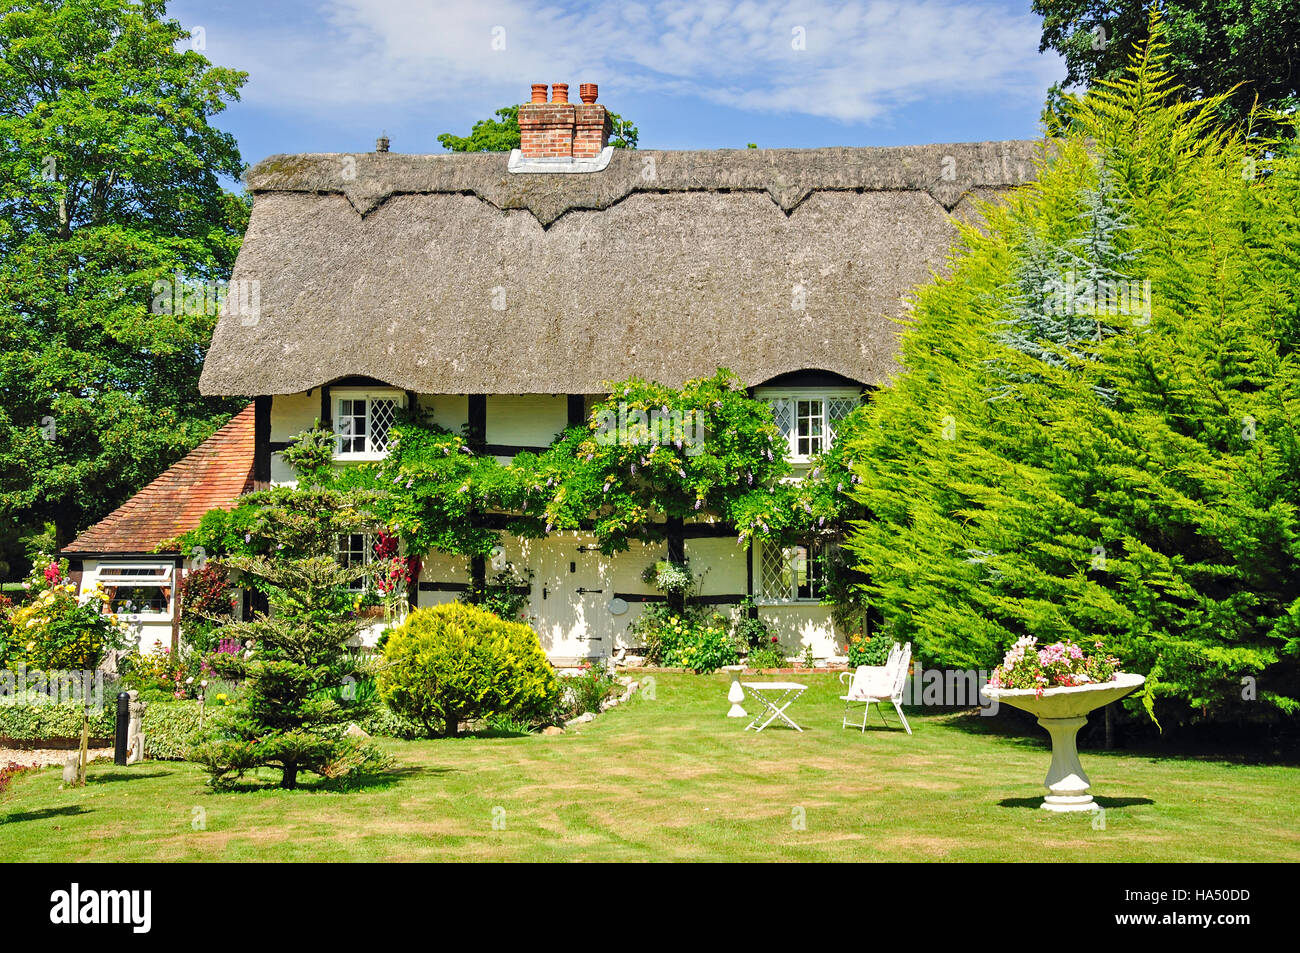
(735, 694)
(1067, 784)
(1062, 712)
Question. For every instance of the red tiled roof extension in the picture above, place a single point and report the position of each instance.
(215, 473)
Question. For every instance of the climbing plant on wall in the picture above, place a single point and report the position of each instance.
(649, 456)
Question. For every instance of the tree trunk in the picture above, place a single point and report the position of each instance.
(453, 725)
(1110, 728)
(65, 528)
(84, 754)
(290, 779)
(676, 545)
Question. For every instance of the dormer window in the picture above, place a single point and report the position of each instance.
(807, 418)
(809, 427)
(363, 423)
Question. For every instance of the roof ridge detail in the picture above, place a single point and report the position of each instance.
(945, 171)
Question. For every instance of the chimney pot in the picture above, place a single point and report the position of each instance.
(539, 92)
(588, 92)
(559, 92)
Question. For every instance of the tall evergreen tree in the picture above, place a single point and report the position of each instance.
(1138, 483)
(299, 676)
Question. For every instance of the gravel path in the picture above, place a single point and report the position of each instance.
(45, 757)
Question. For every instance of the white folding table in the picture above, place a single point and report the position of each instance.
(775, 697)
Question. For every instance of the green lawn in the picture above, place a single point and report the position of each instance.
(671, 778)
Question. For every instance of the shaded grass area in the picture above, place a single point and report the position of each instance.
(672, 778)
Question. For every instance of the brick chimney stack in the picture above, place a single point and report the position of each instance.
(592, 124)
(546, 129)
(560, 129)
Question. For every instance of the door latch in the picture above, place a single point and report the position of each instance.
(582, 592)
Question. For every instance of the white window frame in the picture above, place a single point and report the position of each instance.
(793, 395)
(369, 395)
(116, 575)
(804, 552)
(363, 582)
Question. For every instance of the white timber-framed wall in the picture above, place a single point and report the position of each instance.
(580, 601)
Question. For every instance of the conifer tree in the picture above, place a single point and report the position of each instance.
(298, 694)
(1137, 482)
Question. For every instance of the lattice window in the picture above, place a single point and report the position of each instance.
(837, 408)
(791, 574)
(364, 424)
(774, 575)
(382, 414)
(783, 413)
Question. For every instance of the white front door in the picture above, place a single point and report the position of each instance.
(570, 597)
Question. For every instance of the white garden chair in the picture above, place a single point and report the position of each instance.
(874, 684)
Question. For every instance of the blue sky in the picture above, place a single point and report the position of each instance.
(330, 75)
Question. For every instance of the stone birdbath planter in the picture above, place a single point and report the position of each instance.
(1063, 711)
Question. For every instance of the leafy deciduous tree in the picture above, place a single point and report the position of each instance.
(110, 182)
(1214, 46)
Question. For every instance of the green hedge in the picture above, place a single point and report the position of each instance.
(169, 727)
(27, 723)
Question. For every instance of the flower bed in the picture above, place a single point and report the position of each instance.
(55, 629)
(9, 771)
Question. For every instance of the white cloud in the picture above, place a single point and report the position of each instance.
(862, 60)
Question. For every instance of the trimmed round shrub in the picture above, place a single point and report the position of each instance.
(455, 662)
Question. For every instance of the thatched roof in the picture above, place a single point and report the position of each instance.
(448, 274)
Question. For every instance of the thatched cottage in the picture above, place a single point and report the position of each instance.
(503, 292)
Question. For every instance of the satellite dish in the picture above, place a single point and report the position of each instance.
(617, 606)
